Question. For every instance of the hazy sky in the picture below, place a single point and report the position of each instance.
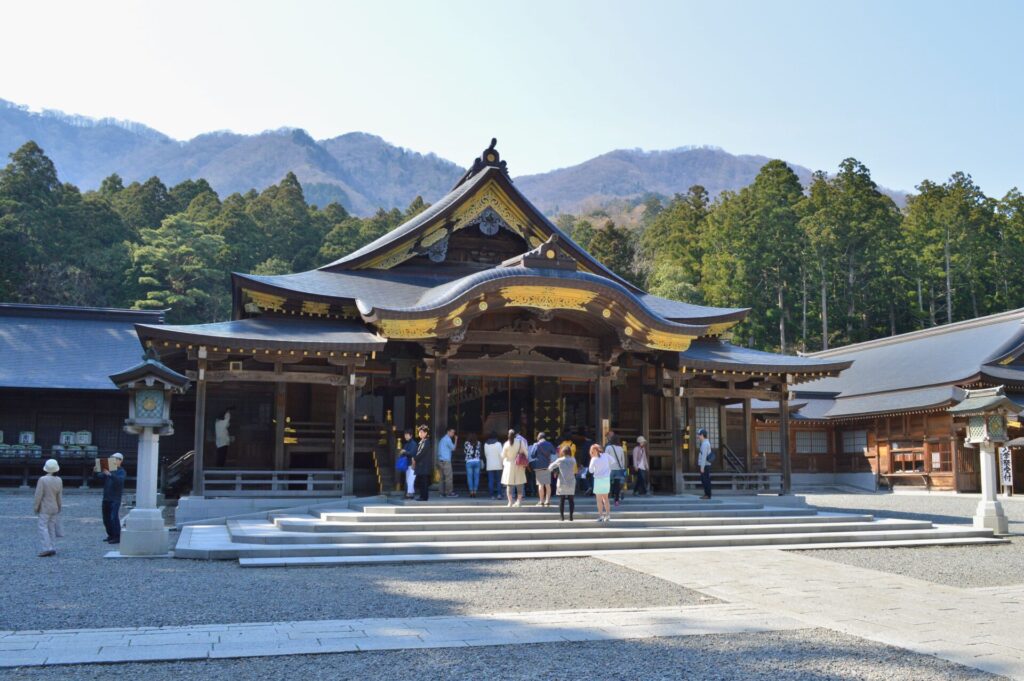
(912, 89)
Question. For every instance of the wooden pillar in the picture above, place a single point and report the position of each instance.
(787, 464)
(748, 433)
(723, 434)
(280, 415)
(677, 436)
(200, 428)
(604, 405)
(691, 433)
(339, 427)
(440, 416)
(645, 411)
(348, 487)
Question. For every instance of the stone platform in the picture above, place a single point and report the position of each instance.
(380, 531)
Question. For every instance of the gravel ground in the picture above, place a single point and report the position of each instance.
(951, 565)
(811, 654)
(78, 588)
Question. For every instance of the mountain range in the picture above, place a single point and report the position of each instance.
(361, 171)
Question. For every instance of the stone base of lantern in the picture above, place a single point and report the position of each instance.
(990, 514)
(144, 533)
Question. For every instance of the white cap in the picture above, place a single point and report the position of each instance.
(118, 456)
(51, 466)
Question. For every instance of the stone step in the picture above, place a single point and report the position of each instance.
(268, 533)
(518, 513)
(332, 561)
(311, 525)
(539, 546)
(424, 508)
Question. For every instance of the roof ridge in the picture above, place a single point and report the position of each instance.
(80, 312)
(922, 333)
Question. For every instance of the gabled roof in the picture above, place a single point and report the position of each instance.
(941, 355)
(922, 370)
(718, 355)
(68, 348)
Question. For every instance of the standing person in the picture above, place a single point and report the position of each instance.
(529, 486)
(641, 464)
(492, 454)
(49, 501)
(113, 488)
(600, 467)
(704, 460)
(565, 466)
(586, 478)
(423, 461)
(541, 455)
(222, 436)
(617, 460)
(445, 449)
(407, 455)
(473, 463)
(514, 458)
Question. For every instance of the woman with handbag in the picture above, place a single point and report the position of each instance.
(513, 456)
(617, 460)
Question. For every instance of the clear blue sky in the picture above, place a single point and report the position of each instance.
(913, 89)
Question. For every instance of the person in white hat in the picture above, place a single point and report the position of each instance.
(48, 504)
(113, 488)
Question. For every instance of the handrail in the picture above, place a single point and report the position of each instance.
(735, 462)
(227, 483)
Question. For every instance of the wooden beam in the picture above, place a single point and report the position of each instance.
(787, 463)
(748, 433)
(604, 407)
(491, 367)
(348, 486)
(200, 431)
(677, 436)
(247, 376)
(543, 340)
(739, 393)
(339, 428)
(280, 414)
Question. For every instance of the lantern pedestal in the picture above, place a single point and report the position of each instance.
(990, 511)
(144, 533)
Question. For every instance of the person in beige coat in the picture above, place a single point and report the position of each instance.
(48, 503)
(513, 474)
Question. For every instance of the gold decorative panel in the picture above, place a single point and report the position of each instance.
(309, 307)
(407, 328)
(547, 298)
(266, 301)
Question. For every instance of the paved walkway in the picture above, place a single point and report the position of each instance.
(36, 648)
(980, 628)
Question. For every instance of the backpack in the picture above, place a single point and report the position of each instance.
(402, 463)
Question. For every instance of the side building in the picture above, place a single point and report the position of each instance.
(886, 417)
(56, 398)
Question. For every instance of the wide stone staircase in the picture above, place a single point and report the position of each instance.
(377, 530)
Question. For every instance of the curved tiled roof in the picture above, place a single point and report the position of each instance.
(269, 332)
(722, 355)
(411, 288)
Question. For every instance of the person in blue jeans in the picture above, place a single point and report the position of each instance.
(473, 451)
(113, 488)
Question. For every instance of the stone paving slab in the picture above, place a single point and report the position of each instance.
(338, 636)
(980, 628)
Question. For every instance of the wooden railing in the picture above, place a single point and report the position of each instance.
(256, 483)
(738, 482)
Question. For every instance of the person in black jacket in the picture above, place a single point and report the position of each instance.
(424, 461)
(113, 488)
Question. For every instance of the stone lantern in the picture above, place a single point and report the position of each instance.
(986, 411)
(150, 386)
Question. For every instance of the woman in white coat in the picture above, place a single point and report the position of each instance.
(514, 459)
(48, 503)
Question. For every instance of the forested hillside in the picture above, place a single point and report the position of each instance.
(360, 171)
(820, 265)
